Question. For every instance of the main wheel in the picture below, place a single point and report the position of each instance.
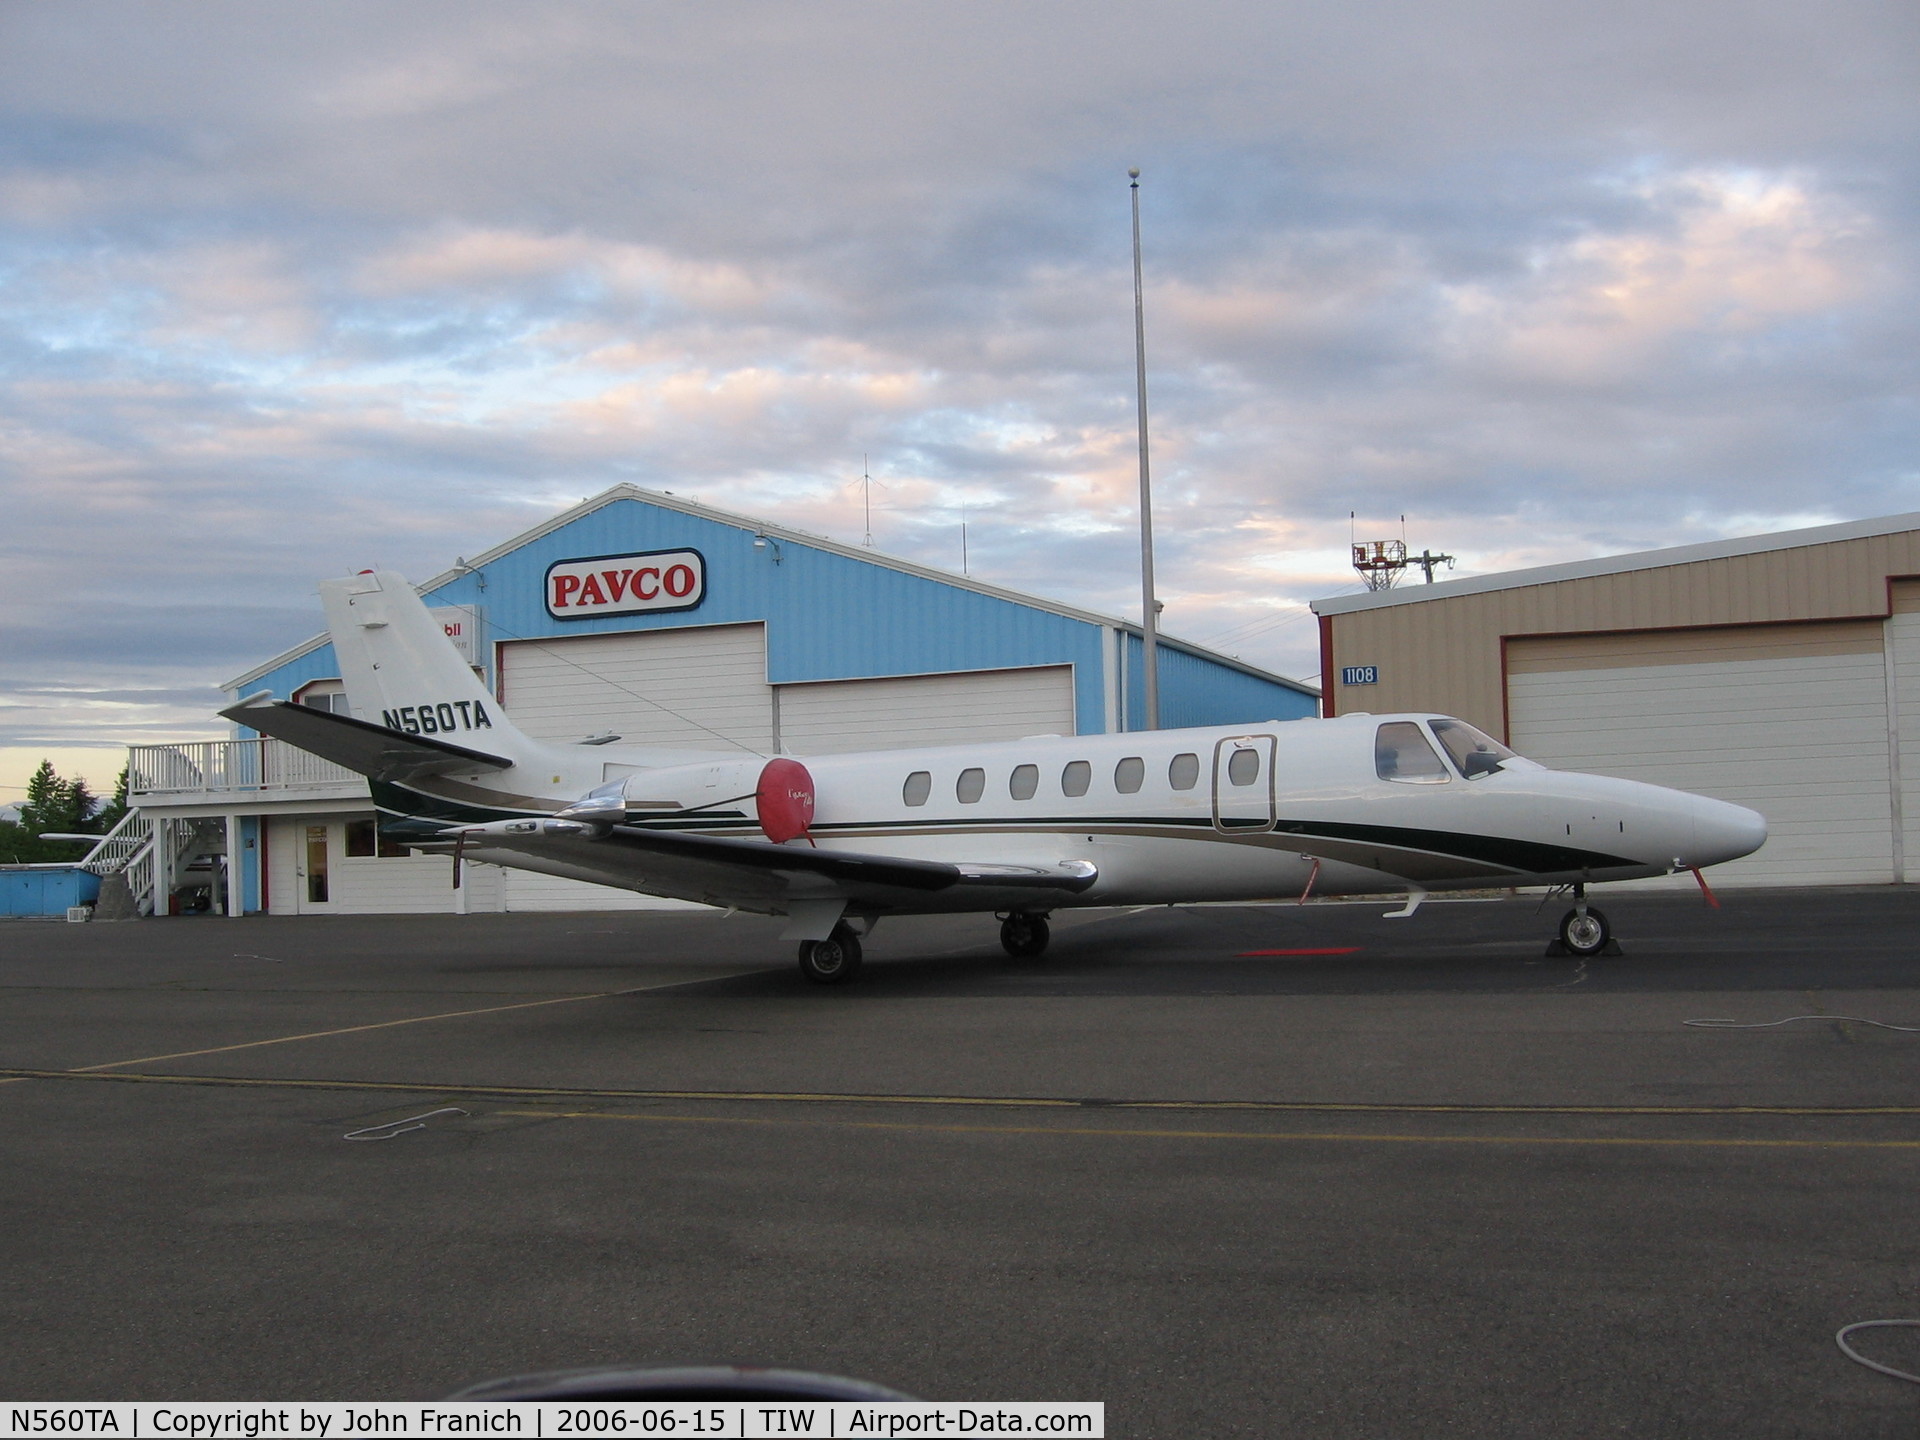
(1024, 936)
(1587, 934)
(832, 960)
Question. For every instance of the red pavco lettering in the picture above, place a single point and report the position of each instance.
(673, 581)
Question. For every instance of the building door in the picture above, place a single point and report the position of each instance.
(1791, 720)
(1243, 798)
(700, 687)
(316, 847)
(828, 717)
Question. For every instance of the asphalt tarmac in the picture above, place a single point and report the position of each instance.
(1392, 1178)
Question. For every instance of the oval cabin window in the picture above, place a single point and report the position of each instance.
(1244, 767)
(919, 785)
(1128, 774)
(1183, 772)
(971, 785)
(1024, 781)
(1076, 777)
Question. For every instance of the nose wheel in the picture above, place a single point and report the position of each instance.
(1024, 936)
(1584, 931)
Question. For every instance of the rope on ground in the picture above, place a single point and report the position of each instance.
(1721, 1024)
(1854, 1355)
(393, 1128)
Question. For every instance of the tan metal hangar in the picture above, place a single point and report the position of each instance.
(1777, 671)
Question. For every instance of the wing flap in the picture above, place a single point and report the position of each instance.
(837, 865)
(757, 874)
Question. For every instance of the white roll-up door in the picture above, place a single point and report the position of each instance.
(1788, 719)
(1903, 655)
(835, 716)
(684, 687)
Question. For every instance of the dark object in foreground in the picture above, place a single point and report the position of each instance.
(678, 1382)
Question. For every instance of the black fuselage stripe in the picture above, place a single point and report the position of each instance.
(1504, 852)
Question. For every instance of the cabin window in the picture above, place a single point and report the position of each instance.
(1128, 774)
(364, 840)
(919, 785)
(1243, 767)
(1183, 772)
(971, 785)
(1473, 753)
(1076, 777)
(1024, 781)
(1401, 752)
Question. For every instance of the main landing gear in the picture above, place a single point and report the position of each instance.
(1584, 930)
(1024, 936)
(832, 960)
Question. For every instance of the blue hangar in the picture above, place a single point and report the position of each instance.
(649, 617)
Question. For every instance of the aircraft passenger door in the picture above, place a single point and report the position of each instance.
(1243, 784)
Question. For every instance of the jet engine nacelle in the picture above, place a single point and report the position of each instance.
(780, 792)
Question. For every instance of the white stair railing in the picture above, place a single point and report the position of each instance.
(118, 847)
(129, 850)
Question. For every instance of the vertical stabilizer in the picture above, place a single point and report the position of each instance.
(401, 670)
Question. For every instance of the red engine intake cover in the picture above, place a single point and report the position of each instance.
(785, 800)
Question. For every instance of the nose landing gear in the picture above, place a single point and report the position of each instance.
(1584, 930)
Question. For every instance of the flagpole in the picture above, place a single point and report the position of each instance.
(1149, 626)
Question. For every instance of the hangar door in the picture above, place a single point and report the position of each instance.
(1790, 720)
(651, 687)
(834, 716)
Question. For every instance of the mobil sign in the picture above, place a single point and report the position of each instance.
(626, 584)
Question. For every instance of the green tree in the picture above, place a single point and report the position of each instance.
(54, 803)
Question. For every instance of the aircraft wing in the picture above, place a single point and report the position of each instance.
(373, 750)
(756, 874)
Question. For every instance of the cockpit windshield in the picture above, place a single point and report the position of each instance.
(1473, 752)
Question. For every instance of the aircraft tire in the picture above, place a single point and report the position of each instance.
(1587, 935)
(831, 961)
(1025, 937)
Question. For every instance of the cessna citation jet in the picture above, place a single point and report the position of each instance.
(1375, 804)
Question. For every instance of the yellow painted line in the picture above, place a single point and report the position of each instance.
(1289, 1136)
(409, 1020)
(992, 1102)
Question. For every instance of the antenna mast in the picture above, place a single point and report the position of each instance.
(1149, 651)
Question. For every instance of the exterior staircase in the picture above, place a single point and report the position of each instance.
(127, 861)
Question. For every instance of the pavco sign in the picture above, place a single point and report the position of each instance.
(626, 584)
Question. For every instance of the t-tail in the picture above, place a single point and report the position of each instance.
(440, 749)
(403, 673)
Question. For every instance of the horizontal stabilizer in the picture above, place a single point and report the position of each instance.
(373, 750)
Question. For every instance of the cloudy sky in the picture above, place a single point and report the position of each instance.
(288, 290)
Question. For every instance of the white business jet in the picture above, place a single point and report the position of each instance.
(1377, 804)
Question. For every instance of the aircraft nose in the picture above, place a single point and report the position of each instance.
(1724, 832)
